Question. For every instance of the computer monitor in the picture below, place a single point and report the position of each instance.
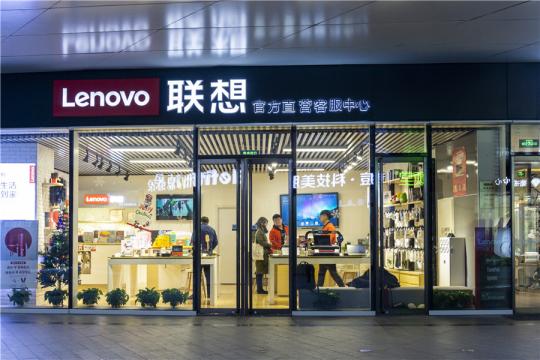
(321, 240)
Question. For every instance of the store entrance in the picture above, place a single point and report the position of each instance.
(401, 204)
(245, 196)
(526, 228)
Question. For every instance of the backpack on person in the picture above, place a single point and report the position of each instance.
(305, 276)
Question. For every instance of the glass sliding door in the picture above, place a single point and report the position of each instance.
(268, 198)
(219, 236)
(526, 196)
(401, 204)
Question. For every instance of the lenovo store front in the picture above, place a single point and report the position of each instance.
(199, 192)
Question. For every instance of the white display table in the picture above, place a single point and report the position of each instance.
(170, 260)
(274, 261)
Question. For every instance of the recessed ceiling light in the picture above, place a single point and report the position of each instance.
(143, 149)
(166, 171)
(301, 170)
(157, 161)
(315, 161)
(317, 149)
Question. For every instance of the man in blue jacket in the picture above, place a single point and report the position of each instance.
(209, 241)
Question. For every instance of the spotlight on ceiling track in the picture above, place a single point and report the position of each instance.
(100, 165)
(118, 172)
(95, 162)
(109, 168)
(178, 148)
(126, 178)
(87, 155)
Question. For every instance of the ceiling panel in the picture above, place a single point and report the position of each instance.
(13, 20)
(218, 38)
(122, 17)
(84, 43)
(420, 11)
(266, 13)
(263, 33)
(26, 4)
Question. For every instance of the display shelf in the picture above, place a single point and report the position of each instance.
(404, 204)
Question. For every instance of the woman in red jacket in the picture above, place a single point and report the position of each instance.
(279, 233)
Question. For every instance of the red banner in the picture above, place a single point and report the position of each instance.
(459, 172)
(96, 199)
(106, 97)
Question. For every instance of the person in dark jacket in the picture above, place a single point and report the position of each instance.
(261, 250)
(209, 241)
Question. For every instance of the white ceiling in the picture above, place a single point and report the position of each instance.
(76, 35)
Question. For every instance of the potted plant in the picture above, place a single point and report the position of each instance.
(56, 297)
(54, 269)
(117, 298)
(174, 297)
(89, 296)
(326, 299)
(147, 297)
(20, 297)
(452, 299)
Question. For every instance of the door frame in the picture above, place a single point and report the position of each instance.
(380, 159)
(521, 157)
(243, 170)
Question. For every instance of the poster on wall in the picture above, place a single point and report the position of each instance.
(143, 214)
(459, 172)
(17, 191)
(19, 253)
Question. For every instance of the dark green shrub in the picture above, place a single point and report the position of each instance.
(89, 296)
(147, 297)
(174, 297)
(19, 297)
(117, 298)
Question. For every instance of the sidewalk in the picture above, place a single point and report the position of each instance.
(129, 337)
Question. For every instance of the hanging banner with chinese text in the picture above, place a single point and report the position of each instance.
(459, 172)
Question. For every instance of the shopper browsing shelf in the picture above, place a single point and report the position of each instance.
(279, 234)
(329, 228)
(261, 249)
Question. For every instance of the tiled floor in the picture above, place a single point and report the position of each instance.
(144, 337)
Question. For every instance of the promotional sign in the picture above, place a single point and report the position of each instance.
(17, 191)
(106, 97)
(19, 253)
(459, 172)
(529, 143)
(96, 199)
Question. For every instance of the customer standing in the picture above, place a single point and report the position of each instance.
(209, 241)
(329, 228)
(261, 250)
(279, 234)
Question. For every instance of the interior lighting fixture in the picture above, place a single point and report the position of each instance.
(301, 170)
(168, 171)
(87, 155)
(100, 165)
(314, 161)
(158, 161)
(118, 172)
(95, 162)
(126, 178)
(317, 149)
(109, 168)
(143, 149)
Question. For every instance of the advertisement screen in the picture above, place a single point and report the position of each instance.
(174, 207)
(308, 208)
(18, 191)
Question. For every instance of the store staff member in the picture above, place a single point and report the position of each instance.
(279, 233)
(209, 241)
(325, 217)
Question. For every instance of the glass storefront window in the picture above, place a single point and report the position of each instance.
(472, 242)
(34, 218)
(332, 218)
(134, 219)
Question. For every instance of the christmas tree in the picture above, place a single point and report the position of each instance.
(54, 271)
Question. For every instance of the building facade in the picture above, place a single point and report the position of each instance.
(384, 189)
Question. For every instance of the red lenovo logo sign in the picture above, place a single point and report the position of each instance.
(96, 199)
(106, 97)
